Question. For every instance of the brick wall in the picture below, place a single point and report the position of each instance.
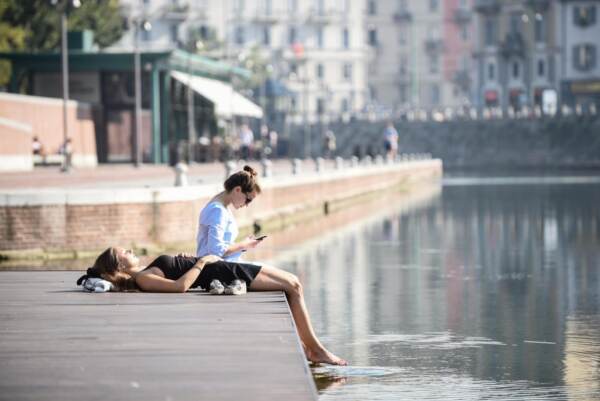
(94, 226)
(15, 146)
(44, 116)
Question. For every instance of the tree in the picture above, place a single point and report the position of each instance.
(34, 25)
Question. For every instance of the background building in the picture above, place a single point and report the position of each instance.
(421, 53)
(517, 52)
(579, 35)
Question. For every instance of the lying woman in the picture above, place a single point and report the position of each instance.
(180, 273)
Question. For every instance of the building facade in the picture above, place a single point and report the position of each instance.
(517, 53)
(422, 53)
(316, 49)
(579, 35)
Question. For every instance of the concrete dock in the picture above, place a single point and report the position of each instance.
(60, 343)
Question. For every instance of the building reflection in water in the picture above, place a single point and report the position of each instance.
(494, 286)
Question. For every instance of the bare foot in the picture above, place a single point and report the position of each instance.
(325, 356)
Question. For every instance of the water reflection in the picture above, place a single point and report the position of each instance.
(490, 291)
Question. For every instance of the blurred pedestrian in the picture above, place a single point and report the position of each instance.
(273, 138)
(246, 137)
(66, 149)
(390, 141)
(37, 147)
(329, 145)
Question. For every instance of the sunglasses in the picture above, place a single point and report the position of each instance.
(248, 200)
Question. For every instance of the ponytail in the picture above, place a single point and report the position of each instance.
(246, 179)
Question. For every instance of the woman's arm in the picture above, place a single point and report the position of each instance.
(154, 283)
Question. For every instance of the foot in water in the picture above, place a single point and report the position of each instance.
(325, 356)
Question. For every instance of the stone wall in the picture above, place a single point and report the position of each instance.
(562, 141)
(43, 117)
(94, 219)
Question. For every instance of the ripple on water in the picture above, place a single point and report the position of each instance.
(441, 340)
(418, 385)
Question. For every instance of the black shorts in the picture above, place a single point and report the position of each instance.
(226, 272)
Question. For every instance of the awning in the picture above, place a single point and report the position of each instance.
(227, 101)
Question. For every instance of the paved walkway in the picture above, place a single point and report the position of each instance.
(60, 343)
(124, 175)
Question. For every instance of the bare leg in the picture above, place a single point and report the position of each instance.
(273, 279)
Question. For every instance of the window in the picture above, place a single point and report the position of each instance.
(345, 105)
(320, 106)
(584, 16)
(239, 35)
(145, 35)
(435, 94)
(584, 56)
(292, 36)
(173, 33)
(539, 29)
(515, 22)
(372, 37)
(490, 31)
(433, 5)
(515, 70)
(464, 32)
(403, 93)
(238, 6)
(347, 71)
(491, 72)
(403, 65)
(541, 68)
(433, 63)
(372, 7)
(268, 7)
(293, 5)
(320, 38)
(266, 36)
(320, 7)
(320, 71)
(345, 38)
(401, 35)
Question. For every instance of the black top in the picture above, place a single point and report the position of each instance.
(173, 267)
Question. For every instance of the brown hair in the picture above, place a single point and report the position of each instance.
(245, 179)
(106, 267)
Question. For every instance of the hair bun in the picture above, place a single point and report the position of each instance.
(250, 170)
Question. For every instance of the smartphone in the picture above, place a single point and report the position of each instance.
(262, 237)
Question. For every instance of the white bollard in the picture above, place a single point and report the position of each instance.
(230, 167)
(296, 166)
(181, 170)
(267, 168)
(339, 163)
(379, 160)
(368, 160)
(319, 164)
(354, 161)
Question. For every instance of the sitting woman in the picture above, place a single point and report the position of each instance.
(180, 273)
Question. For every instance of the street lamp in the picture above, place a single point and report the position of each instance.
(137, 61)
(64, 8)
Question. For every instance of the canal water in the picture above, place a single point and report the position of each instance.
(488, 290)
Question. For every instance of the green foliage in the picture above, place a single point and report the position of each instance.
(34, 25)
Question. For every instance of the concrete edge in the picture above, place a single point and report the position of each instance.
(44, 197)
(274, 222)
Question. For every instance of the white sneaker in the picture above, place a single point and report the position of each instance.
(216, 288)
(237, 287)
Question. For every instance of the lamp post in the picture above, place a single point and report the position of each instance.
(137, 61)
(66, 166)
(199, 45)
